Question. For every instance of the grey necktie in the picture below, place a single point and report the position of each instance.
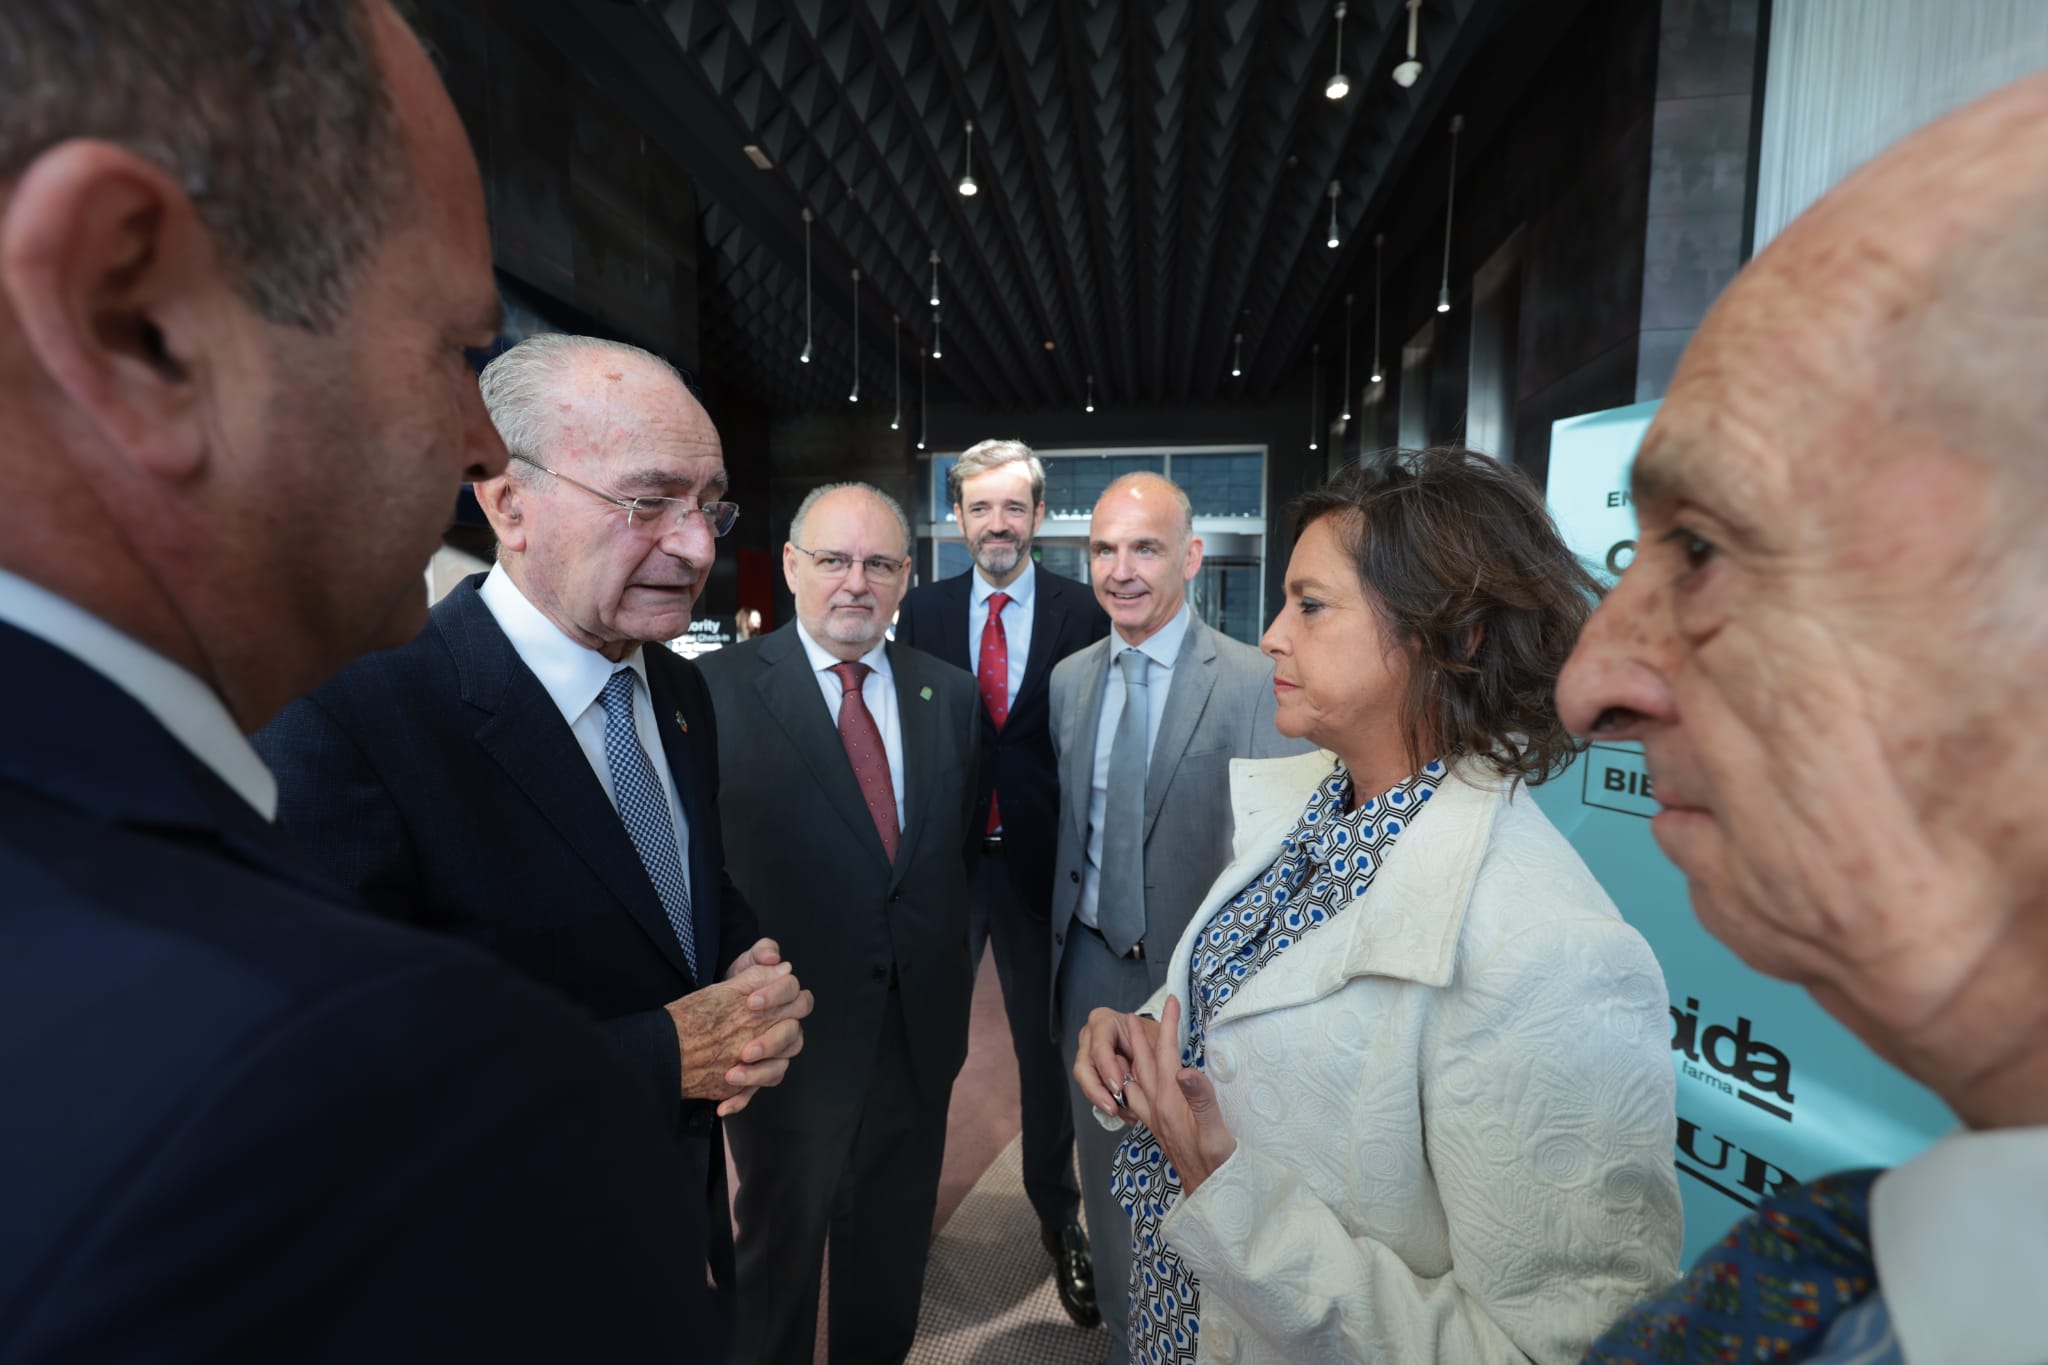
(1120, 895)
(643, 806)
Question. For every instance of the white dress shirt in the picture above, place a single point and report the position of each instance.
(1016, 621)
(878, 690)
(574, 676)
(1960, 1237)
(1160, 649)
(193, 712)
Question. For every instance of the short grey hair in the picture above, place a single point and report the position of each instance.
(275, 119)
(1187, 509)
(518, 385)
(983, 456)
(803, 510)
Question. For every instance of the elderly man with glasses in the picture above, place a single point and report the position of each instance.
(527, 775)
(849, 768)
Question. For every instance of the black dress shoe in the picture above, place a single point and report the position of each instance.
(1073, 1273)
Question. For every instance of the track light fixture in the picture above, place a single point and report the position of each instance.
(1345, 416)
(1334, 189)
(923, 426)
(1340, 84)
(1091, 395)
(1315, 392)
(968, 189)
(853, 396)
(1237, 356)
(896, 366)
(1379, 249)
(1443, 293)
(804, 356)
(1406, 72)
(935, 277)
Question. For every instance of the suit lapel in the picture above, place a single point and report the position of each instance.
(681, 746)
(1194, 678)
(1077, 758)
(917, 717)
(790, 693)
(1047, 616)
(526, 736)
(958, 606)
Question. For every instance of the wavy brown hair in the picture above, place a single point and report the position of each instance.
(1465, 566)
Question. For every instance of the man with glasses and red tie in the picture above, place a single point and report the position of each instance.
(849, 766)
(528, 775)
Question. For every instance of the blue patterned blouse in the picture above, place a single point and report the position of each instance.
(1324, 867)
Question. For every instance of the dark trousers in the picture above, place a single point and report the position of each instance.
(1092, 977)
(1023, 949)
(867, 1173)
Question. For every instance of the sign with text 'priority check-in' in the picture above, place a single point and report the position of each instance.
(1771, 1090)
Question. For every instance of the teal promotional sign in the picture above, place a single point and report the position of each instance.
(1771, 1090)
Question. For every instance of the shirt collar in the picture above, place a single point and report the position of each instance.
(572, 674)
(1020, 591)
(193, 712)
(1162, 646)
(1960, 1234)
(823, 659)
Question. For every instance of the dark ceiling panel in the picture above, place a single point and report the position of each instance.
(1153, 177)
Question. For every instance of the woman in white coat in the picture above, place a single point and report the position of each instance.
(1407, 1095)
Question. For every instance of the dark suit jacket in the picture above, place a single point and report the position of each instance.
(804, 849)
(439, 782)
(1018, 759)
(243, 1121)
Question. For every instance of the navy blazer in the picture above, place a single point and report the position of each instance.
(439, 782)
(243, 1121)
(1018, 759)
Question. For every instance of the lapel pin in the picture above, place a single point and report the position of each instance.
(682, 724)
(925, 692)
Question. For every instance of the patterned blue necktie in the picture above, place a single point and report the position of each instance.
(644, 808)
(1770, 1292)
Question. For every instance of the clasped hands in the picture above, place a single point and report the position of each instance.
(1129, 1068)
(739, 1035)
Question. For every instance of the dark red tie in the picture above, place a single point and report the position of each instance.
(993, 673)
(863, 741)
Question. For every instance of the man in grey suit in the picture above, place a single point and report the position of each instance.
(1145, 723)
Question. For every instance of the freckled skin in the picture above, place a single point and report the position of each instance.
(1850, 743)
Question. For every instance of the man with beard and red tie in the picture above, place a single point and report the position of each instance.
(1008, 621)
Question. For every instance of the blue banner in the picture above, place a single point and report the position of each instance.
(1771, 1090)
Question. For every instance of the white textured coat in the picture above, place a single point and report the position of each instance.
(1453, 1104)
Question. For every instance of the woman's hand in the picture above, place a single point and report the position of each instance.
(1177, 1103)
(1104, 1059)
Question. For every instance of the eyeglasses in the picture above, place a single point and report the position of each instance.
(720, 516)
(833, 564)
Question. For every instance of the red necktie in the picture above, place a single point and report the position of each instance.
(993, 673)
(863, 741)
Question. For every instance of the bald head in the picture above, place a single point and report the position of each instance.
(1142, 553)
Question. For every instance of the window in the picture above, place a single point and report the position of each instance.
(1227, 484)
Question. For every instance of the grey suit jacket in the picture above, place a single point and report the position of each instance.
(1218, 707)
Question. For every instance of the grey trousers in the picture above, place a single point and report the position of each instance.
(1092, 977)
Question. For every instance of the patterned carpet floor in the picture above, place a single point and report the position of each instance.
(988, 1295)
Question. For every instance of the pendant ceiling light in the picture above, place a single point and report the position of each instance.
(935, 277)
(853, 395)
(1340, 84)
(1443, 293)
(937, 354)
(1091, 395)
(923, 427)
(1406, 72)
(1332, 243)
(1237, 355)
(804, 356)
(968, 189)
(1379, 247)
(896, 366)
(1345, 416)
(1315, 392)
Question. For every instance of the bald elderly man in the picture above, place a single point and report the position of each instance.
(1832, 646)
